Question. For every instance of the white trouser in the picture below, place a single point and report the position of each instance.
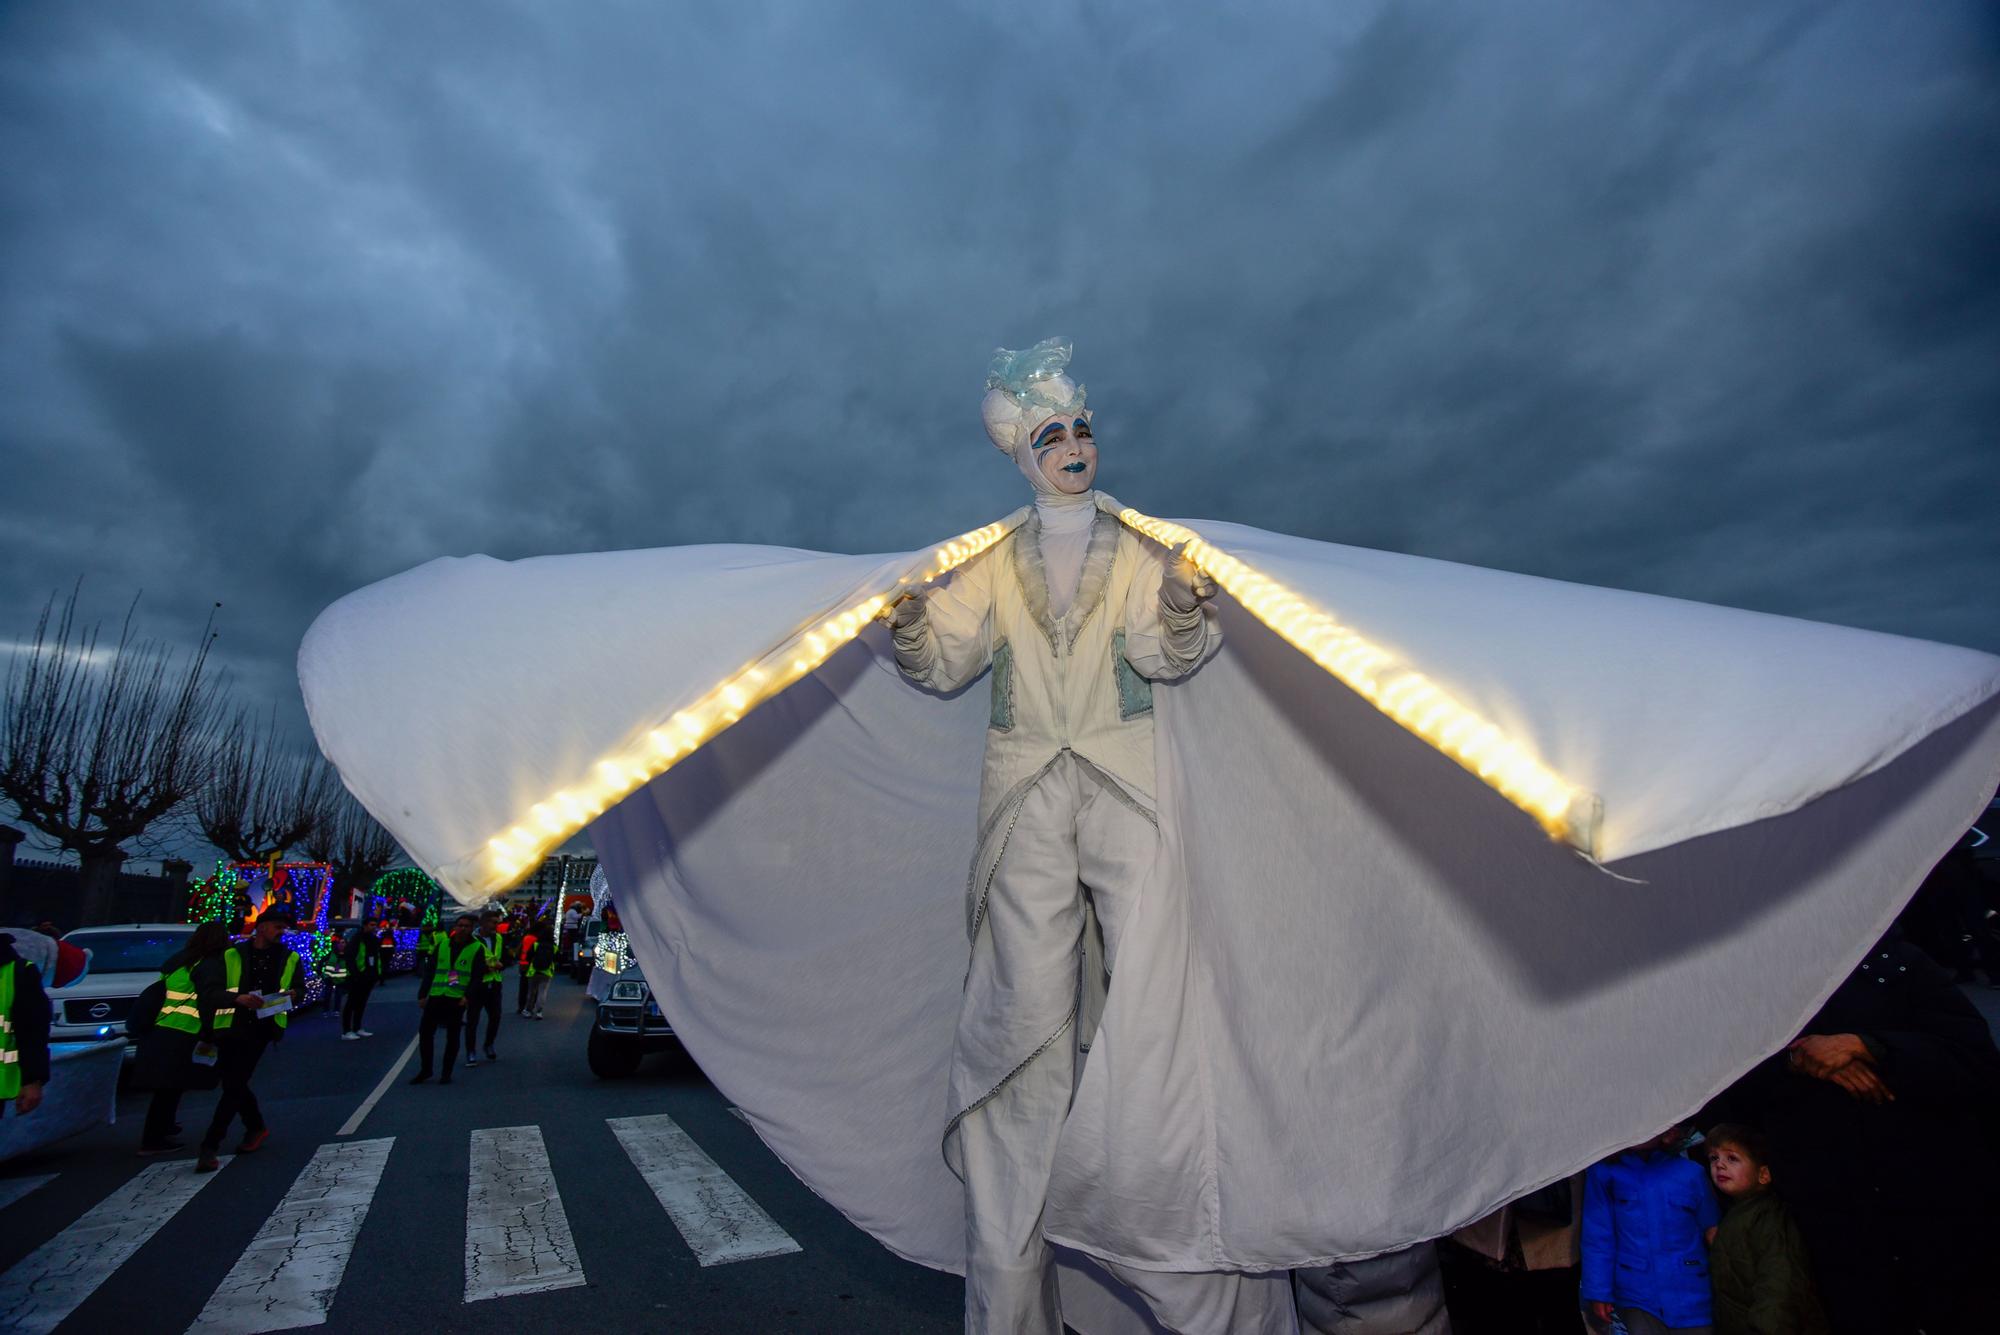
(1074, 834)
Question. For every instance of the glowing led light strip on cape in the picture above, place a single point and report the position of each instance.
(509, 856)
(1568, 813)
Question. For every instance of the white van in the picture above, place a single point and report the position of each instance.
(124, 961)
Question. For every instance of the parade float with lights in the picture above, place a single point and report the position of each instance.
(241, 892)
(1413, 815)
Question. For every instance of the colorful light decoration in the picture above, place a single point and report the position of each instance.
(302, 883)
(218, 897)
(1569, 814)
(614, 952)
(407, 885)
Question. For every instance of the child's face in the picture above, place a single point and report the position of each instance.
(1734, 1172)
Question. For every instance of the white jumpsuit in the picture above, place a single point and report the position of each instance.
(1067, 836)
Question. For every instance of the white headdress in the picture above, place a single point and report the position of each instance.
(1023, 390)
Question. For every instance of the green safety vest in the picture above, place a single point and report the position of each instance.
(179, 1010)
(449, 976)
(528, 948)
(10, 1048)
(436, 944)
(232, 971)
(490, 967)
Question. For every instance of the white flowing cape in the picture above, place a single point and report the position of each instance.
(1365, 1000)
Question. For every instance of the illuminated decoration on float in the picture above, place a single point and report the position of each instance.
(1569, 814)
(306, 889)
(218, 898)
(395, 888)
(406, 885)
(614, 953)
(511, 855)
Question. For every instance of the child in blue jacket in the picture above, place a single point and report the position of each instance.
(1646, 1214)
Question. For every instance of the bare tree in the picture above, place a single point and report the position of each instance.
(96, 744)
(262, 798)
(352, 842)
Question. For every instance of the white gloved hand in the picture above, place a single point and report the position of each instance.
(1185, 587)
(907, 611)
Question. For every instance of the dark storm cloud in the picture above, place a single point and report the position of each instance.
(1699, 301)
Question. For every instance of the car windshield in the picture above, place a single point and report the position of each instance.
(129, 952)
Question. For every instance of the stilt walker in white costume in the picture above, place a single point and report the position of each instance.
(1077, 616)
(1285, 958)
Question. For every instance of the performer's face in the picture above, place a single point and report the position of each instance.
(1066, 454)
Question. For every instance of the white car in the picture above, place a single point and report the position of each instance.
(124, 961)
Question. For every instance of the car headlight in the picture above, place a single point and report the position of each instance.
(628, 991)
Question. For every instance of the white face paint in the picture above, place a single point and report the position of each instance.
(1065, 454)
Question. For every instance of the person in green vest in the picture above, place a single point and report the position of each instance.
(488, 982)
(166, 1057)
(264, 979)
(433, 944)
(538, 965)
(24, 1030)
(365, 968)
(453, 960)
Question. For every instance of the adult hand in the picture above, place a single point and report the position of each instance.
(249, 1000)
(1820, 1055)
(1862, 1083)
(1185, 587)
(1602, 1311)
(1843, 1060)
(906, 611)
(29, 1099)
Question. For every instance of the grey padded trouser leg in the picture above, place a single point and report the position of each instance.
(1398, 1293)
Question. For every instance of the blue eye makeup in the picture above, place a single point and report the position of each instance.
(1042, 441)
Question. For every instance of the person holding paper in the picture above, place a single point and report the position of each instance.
(265, 981)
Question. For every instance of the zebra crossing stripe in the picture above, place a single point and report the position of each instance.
(288, 1274)
(49, 1283)
(718, 1219)
(14, 1188)
(517, 1238)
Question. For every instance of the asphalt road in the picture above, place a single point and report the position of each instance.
(626, 1264)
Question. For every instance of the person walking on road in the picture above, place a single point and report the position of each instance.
(442, 992)
(526, 974)
(265, 981)
(364, 969)
(25, 1017)
(483, 993)
(165, 1063)
(538, 965)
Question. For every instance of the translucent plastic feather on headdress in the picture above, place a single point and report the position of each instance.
(1034, 378)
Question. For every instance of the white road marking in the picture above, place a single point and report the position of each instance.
(14, 1188)
(718, 1219)
(288, 1274)
(353, 1124)
(48, 1284)
(517, 1238)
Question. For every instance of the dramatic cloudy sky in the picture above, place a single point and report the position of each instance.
(1702, 300)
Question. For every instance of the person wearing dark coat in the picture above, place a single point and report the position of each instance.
(1757, 1261)
(28, 1016)
(365, 967)
(1880, 1121)
(165, 1061)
